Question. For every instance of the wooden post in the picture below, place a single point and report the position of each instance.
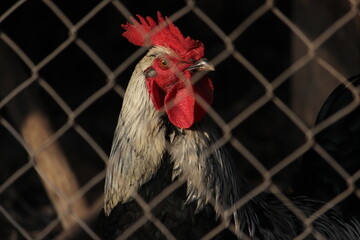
(57, 176)
(34, 125)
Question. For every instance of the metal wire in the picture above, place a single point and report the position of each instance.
(229, 50)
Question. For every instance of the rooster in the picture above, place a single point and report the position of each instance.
(163, 134)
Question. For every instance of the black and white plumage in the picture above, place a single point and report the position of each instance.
(153, 147)
(138, 152)
(148, 153)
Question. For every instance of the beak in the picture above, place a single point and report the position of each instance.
(202, 65)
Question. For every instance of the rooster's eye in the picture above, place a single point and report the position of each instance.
(164, 63)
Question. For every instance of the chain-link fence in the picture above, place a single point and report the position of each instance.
(64, 70)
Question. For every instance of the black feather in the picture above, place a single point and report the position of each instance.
(342, 141)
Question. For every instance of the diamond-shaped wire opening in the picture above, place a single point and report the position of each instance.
(36, 37)
(104, 30)
(71, 142)
(102, 135)
(328, 16)
(273, 59)
(265, 142)
(234, 90)
(69, 72)
(31, 211)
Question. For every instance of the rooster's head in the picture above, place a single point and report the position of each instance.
(174, 59)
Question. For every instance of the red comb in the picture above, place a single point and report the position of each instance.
(164, 33)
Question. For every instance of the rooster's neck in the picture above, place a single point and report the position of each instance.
(138, 144)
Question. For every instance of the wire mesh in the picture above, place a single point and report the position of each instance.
(79, 111)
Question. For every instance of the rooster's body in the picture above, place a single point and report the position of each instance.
(139, 152)
(341, 140)
(162, 135)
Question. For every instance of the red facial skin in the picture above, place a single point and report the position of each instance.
(171, 90)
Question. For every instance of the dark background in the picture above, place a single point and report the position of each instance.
(268, 44)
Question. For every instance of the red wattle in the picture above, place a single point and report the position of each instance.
(181, 106)
(179, 100)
